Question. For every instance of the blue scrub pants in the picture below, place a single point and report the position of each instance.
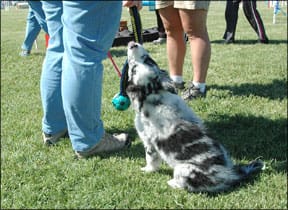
(35, 21)
(81, 33)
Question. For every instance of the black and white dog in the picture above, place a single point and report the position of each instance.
(172, 132)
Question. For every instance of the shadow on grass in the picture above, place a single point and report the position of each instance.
(236, 187)
(249, 137)
(37, 54)
(275, 90)
(245, 137)
(249, 42)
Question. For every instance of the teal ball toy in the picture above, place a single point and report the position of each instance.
(121, 102)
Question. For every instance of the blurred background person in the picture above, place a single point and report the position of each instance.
(35, 22)
(251, 14)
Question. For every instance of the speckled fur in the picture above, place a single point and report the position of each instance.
(172, 132)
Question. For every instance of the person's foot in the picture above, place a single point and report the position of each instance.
(159, 40)
(51, 139)
(108, 143)
(25, 53)
(228, 41)
(192, 92)
(179, 86)
(263, 41)
(228, 38)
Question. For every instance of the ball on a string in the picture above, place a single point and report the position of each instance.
(121, 102)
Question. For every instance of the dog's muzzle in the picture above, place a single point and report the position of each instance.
(132, 45)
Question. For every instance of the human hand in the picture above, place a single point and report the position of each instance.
(131, 3)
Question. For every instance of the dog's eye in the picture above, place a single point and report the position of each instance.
(133, 46)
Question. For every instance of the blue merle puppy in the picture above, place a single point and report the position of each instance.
(172, 132)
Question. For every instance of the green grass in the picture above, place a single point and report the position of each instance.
(245, 109)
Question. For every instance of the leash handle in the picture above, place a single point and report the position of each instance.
(121, 101)
(136, 24)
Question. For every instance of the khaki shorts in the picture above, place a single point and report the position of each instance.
(159, 4)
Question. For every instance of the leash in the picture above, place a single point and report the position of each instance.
(121, 101)
(114, 64)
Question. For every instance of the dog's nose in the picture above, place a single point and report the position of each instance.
(132, 44)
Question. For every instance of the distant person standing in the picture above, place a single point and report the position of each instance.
(35, 22)
(252, 15)
(187, 17)
(161, 30)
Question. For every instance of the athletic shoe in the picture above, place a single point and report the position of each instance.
(51, 139)
(192, 92)
(179, 86)
(159, 41)
(228, 41)
(25, 53)
(109, 143)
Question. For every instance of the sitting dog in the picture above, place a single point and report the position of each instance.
(172, 132)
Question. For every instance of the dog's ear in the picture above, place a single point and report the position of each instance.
(137, 95)
(166, 81)
(135, 91)
(149, 61)
(132, 88)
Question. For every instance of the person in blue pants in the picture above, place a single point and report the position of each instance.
(81, 33)
(35, 22)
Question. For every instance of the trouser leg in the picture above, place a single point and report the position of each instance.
(32, 30)
(54, 119)
(254, 18)
(89, 29)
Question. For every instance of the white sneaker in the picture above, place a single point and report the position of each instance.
(159, 40)
(50, 139)
(108, 143)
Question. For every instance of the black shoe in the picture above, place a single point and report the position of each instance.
(228, 38)
(263, 41)
(228, 41)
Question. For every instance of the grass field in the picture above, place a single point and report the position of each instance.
(245, 109)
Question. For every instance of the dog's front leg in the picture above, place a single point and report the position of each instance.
(153, 160)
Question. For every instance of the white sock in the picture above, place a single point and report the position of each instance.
(200, 85)
(176, 78)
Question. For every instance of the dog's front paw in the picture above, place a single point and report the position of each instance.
(149, 169)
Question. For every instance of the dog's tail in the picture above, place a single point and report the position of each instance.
(251, 169)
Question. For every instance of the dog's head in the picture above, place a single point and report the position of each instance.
(142, 68)
(143, 76)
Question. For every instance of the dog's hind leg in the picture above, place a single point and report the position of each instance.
(153, 160)
(180, 174)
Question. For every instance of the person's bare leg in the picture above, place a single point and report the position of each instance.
(176, 48)
(194, 25)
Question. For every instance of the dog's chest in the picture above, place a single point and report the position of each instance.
(154, 122)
